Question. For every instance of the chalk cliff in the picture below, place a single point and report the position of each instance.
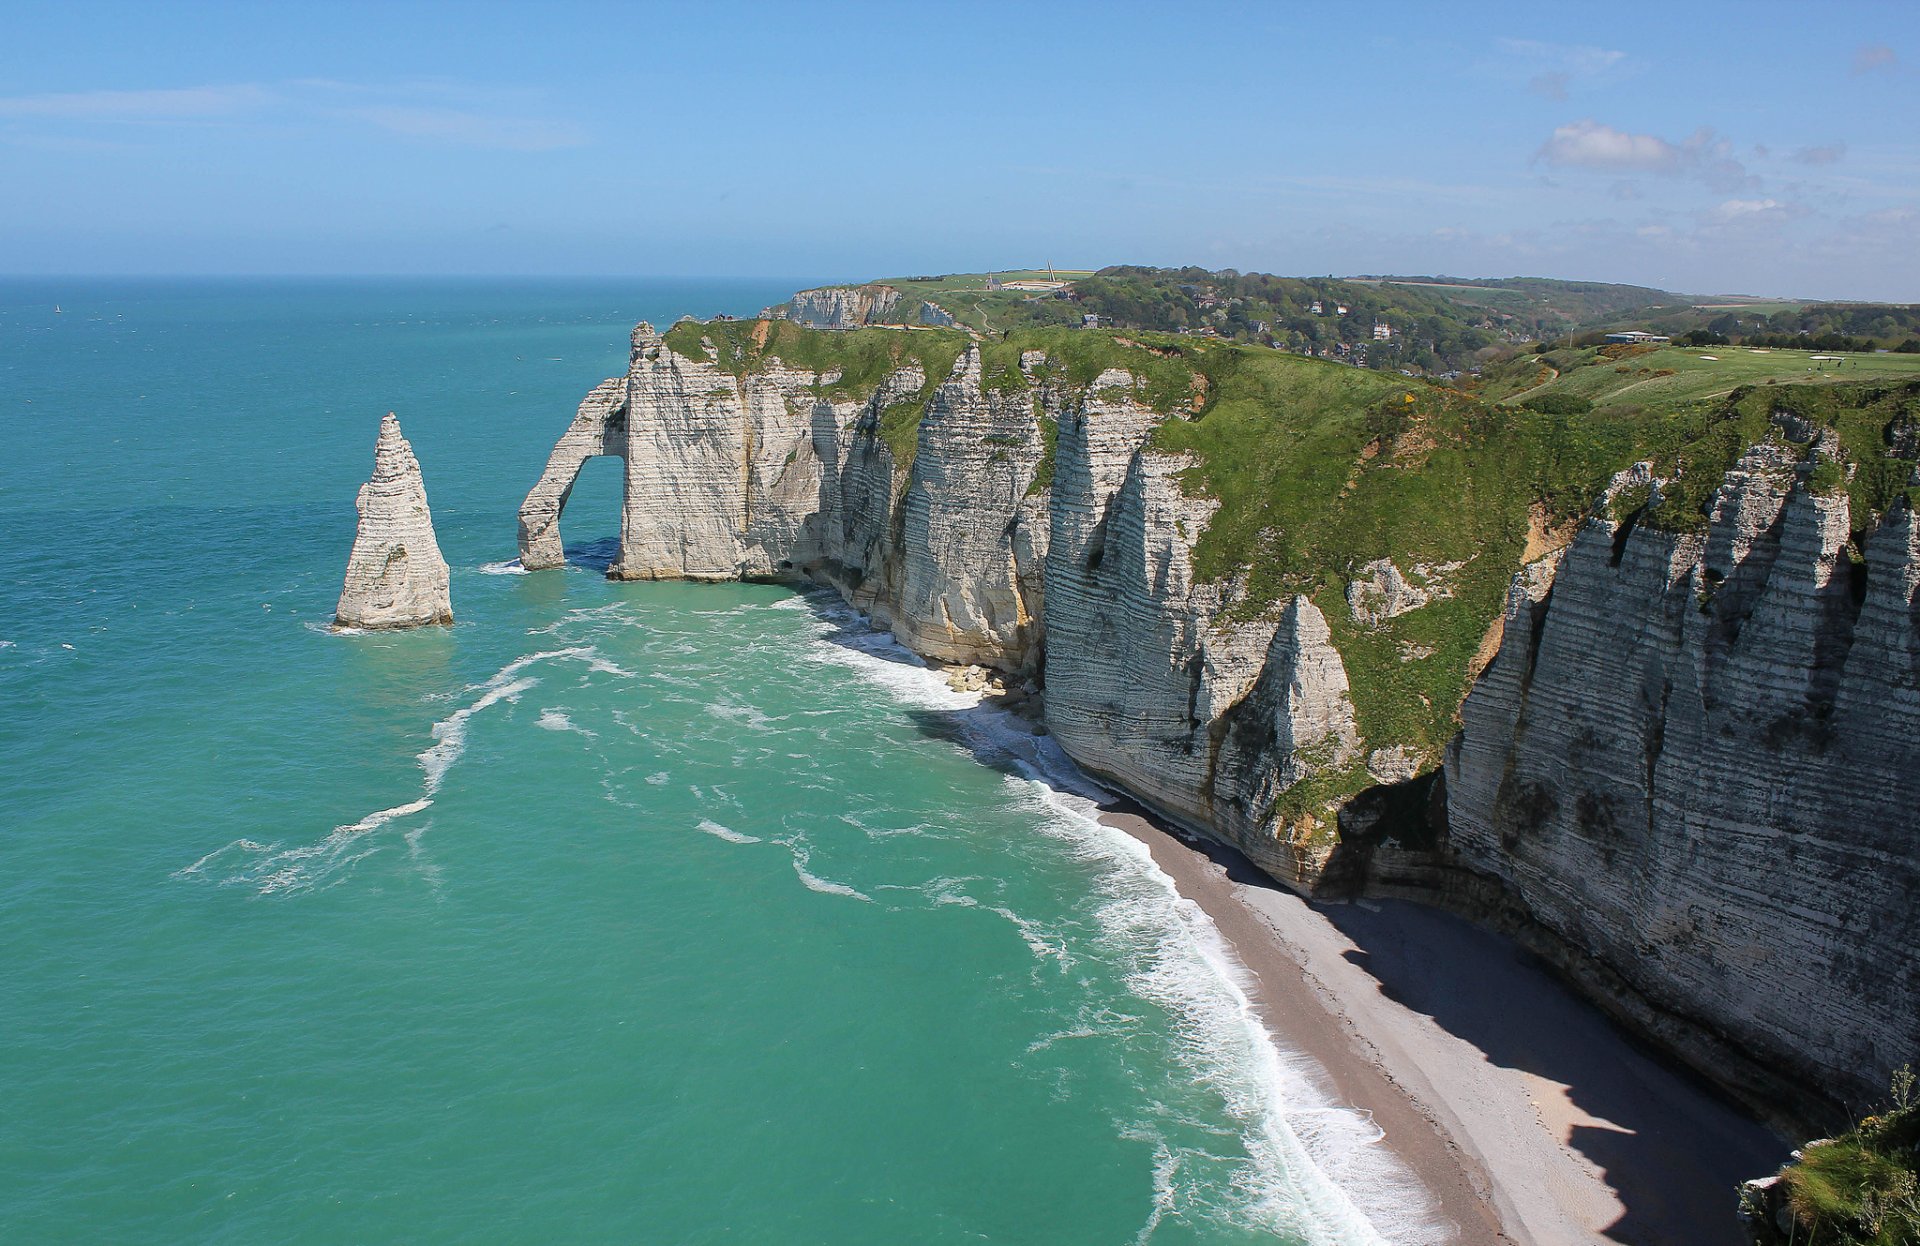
(843, 307)
(1696, 759)
(1687, 774)
(395, 574)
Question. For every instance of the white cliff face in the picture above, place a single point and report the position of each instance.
(709, 455)
(1206, 719)
(395, 574)
(844, 307)
(1697, 762)
(971, 550)
(600, 428)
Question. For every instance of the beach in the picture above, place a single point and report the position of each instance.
(1530, 1117)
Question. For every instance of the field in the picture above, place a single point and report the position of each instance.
(1673, 376)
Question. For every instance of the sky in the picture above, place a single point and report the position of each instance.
(1750, 148)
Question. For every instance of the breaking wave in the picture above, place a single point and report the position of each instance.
(1314, 1170)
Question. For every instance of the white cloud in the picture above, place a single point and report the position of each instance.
(188, 103)
(1734, 209)
(1558, 68)
(1588, 144)
(1828, 154)
(1875, 58)
(395, 109)
(1591, 145)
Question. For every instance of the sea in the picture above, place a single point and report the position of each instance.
(638, 913)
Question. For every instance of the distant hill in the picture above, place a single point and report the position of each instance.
(1542, 302)
(1420, 325)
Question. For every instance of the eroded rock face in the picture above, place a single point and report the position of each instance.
(1379, 592)
(395, 574)
(599, 428)
(1698, 759)
(1150, 682)
(843, 307)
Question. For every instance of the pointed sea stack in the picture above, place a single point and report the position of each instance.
(395, 575)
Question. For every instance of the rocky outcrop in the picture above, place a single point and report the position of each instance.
(973, 544)
(600, 428)
(395, 574)
(1150, 682)
(843, 307)
(1695, 761)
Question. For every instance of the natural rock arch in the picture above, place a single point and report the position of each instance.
(599, 428)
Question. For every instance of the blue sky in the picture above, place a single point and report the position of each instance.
(1749, 148)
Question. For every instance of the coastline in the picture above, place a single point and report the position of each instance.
(1528, 1116)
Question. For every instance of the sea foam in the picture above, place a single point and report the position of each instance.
(1315, 1170)
(273, 869)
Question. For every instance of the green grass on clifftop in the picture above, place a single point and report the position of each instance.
(1320, 469)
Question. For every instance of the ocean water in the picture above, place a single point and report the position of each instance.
(614, 913)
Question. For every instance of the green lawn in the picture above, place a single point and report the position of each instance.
(1696, 373)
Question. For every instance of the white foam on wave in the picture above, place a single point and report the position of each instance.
(1314, 1169)
(803, 859)
(305, 867)
(844, 639)
(380, 818)
(746, 715)
(450, 733)
(510, 567)
(556, 720)
(726, 832)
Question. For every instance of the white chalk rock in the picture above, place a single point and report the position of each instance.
(395, 575)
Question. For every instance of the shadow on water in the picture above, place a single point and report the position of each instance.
(594, 555)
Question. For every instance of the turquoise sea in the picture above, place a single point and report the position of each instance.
(614, 913)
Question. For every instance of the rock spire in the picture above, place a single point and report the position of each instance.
(395, 575)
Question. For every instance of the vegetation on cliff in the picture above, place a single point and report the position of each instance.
(1860, 1189)
(1323, 472)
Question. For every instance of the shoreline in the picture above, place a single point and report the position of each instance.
(1527, 1115)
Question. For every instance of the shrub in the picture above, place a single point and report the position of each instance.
(1559, 404)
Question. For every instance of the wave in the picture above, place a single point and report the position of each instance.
(510, 567)
(725, 832)
(1314, 1169)
(273, 869)
(556, 720)
(802, 860)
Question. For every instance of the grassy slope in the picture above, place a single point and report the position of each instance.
(1862, 1188)
(1322, 468)
(1637, 382)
